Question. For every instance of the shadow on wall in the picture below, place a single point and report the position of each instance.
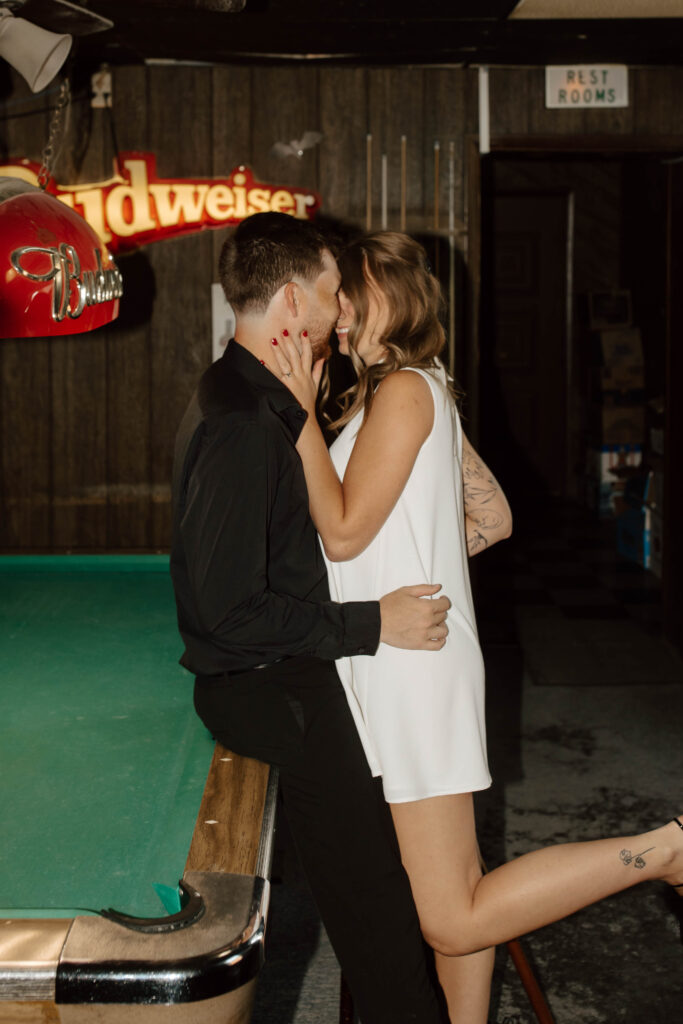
(139, 291)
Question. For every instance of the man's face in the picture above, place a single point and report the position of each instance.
(322, 306)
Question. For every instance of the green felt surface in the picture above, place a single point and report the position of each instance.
(102, 758)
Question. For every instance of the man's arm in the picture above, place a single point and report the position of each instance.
(226, 535)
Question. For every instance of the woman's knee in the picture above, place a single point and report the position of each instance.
(448, 934)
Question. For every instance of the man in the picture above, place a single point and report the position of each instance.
(260, 631)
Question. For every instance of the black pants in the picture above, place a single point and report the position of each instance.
(294, 715)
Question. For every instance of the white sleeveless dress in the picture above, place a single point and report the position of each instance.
(420, 714)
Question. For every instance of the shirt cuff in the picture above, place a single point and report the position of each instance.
(362, 627)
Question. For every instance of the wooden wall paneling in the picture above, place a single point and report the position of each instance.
(611, 121)
(471, 100)
(231, 130)
(541, 121)
(129, 489)
(78, 383)
(463, 285)
(396, 105)
(25, 406)
(445, 120)
(344, 123)
(510, 98)
(180, 133)
(472, 320)
(284, 106)
(656, 101)
(518, 108)
(79, 365)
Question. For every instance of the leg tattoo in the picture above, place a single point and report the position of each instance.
(628, 858)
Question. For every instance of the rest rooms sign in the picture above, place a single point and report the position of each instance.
(586, 85)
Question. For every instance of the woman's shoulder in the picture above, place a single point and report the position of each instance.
(406, 380)
(406, 398)
(429, 381)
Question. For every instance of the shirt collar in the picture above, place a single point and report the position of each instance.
(281, 400)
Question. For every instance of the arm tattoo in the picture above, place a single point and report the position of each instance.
(476, 542)
(479, 484)
(480, 487)
(486, 518)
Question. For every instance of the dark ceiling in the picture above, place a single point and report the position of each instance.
(372, 32)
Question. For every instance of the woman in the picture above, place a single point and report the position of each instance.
(401, 490)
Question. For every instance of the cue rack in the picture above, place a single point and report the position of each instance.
(430, 223)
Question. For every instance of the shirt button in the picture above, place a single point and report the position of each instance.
(361, 650)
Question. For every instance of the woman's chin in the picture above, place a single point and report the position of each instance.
(343, 345)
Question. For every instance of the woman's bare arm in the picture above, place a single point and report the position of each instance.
(488, 517)
(349, 515)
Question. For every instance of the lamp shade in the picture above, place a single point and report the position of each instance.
(56, 276)
(33, 51)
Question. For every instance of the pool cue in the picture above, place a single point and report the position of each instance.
(437, 150)
(384, 192)
(368, 182)
(404, 180)
(528, 980)
(525, 973)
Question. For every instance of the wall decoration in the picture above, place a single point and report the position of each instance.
(297, 147)
(56, 277)
(222, 321)
(135, 207)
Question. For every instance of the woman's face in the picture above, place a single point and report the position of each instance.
(367, 346)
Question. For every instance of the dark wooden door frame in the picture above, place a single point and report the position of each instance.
(591, 145)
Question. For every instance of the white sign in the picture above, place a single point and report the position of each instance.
(586, 85)
(222, 321)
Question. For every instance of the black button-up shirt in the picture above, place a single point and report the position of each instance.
(247, 568)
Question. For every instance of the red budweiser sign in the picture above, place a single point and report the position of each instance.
(135, 206)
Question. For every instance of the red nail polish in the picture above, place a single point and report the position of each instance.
(285, 332)
(262, 362)
(304, 334)
(274, 341)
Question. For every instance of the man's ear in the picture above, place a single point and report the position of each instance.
(293, 298)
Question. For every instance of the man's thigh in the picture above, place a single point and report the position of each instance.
(252, 714)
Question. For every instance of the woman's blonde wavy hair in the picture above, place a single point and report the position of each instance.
(394, 265)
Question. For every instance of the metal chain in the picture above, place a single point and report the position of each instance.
(53, 144)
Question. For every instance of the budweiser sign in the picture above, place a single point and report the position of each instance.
(135, 206)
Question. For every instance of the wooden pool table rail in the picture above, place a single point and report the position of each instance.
(129, 977)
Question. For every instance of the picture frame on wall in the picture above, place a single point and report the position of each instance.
(607, 310)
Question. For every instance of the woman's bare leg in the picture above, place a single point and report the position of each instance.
(461, 911)
(466, 984)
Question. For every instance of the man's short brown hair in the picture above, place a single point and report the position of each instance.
(265, 252)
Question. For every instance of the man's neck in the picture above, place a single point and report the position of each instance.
(255, 333)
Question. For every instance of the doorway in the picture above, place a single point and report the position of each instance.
(525, 330)
(558, 226)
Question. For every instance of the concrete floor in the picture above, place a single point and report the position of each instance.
(585, 705)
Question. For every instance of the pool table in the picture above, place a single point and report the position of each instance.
(111, 790)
